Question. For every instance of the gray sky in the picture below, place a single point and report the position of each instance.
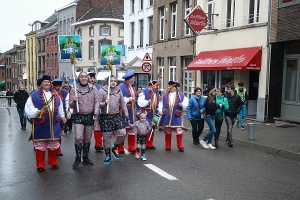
(16, 14)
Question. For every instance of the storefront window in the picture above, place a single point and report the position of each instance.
(209, 80)
(290, 86)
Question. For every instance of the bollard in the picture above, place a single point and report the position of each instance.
(251, 131)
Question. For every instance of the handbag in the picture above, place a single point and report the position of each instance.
(219, 116)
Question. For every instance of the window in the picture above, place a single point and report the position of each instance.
(103, 42)
(230, 13)
(150, 2)
(60, 28)
(188, 83)
(210, 14)
(291, 80)
(253, 11)
(160, 64)
(172, 68)
(132, 35)
(173, 20)
(79, 32)
(141, 24)
(284, 3)
(121, 31)
(64, 27)
(91, 49)
(161, 23)
(187, 10)
(68, 27)
(141, 4)
(131, 6)
(150, 38)
(91, 31)
(105, 30)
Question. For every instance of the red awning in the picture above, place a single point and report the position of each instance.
(230, 59)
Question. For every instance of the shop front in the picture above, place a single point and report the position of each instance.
(220, 67)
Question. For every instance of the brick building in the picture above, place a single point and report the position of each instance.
(285, 61)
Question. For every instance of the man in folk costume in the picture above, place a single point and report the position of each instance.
(45, 108)
(97, 132)
(148, 100)
(129, 94)
(111, 103)
(171, 109)
(83, 119)
(64, 96)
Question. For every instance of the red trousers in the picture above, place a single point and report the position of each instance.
(58, 150)
(98, 138)
(149, 143)
(40, 158)
(168, 139)
(131, 143)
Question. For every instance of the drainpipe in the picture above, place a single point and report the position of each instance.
(268, 62)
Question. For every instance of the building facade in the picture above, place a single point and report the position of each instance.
(173, 43)
(138, 26)
(101, 26)
(234, 47)
(11, 69)
(284, 101)
(21, 63)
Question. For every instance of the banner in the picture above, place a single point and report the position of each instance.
(69, 44)
(111, 54)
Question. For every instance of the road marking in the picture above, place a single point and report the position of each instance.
(161, 172)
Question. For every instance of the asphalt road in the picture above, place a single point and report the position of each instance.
(241, 172)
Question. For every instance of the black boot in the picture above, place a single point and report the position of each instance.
(78, 149)
(86, 149)
(107, 160)
(216, 143)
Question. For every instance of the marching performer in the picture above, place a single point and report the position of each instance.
(112, 97)
(84, 118)
(148, 100)
(64, 96)
(130, 100)
(45, 108)
(171, 108)
(97, 132)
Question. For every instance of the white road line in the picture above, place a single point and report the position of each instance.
(161, 172)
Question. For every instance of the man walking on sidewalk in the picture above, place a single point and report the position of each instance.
(235, 104)
(242, 92)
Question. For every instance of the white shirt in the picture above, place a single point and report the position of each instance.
(172, 96)
(30, 110)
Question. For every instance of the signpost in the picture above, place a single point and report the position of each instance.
(196, 19)
(146, 67)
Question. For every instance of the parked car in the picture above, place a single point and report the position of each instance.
(3, 93)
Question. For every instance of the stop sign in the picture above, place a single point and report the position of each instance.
(196, 19)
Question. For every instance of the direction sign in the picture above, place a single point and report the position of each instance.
(146, 67)
(196, 19)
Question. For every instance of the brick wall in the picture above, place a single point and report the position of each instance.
(288, 24)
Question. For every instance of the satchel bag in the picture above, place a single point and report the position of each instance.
(220, 115)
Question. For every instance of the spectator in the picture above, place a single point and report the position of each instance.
(235, 105)
(20, 98)
(9, 96)
(194, 113)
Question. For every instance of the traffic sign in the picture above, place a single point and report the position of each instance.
(146, 67)
(196, 19)
(147, 57)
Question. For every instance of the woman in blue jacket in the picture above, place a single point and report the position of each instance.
(194, 114)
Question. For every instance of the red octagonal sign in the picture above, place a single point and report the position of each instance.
(196, 19)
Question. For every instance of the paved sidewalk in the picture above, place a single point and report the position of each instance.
(280, 141)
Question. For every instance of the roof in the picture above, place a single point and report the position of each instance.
(110, 10)
(51, 21)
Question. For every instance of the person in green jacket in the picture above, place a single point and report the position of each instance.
(220, 114)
